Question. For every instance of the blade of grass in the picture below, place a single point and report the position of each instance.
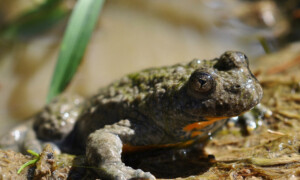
(77, 35)
(26, 164)
(33, 161)
(33, 153)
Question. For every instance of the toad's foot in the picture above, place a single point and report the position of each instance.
(14, 139)
(117, 170)
(21, 138)
(58, 118)
(251, 119)
(51, 124)
(104, 148)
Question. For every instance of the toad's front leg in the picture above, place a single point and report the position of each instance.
(104, 148)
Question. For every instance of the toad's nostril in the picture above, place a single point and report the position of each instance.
(236, 88)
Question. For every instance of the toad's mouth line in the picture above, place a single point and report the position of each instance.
(197, 117)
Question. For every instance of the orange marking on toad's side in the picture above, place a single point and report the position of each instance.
(196, 133)
(203, 124)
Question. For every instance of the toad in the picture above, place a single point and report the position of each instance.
(155, 108)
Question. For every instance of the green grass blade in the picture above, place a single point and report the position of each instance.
(27, 164)
(77, 35)
(33, 153)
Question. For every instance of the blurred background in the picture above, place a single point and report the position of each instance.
(129, 36)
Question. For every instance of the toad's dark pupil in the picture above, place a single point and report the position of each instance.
(202, 82)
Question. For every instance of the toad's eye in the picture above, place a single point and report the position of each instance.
(201, 83)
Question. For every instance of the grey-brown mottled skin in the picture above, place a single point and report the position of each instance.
(153, 106)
